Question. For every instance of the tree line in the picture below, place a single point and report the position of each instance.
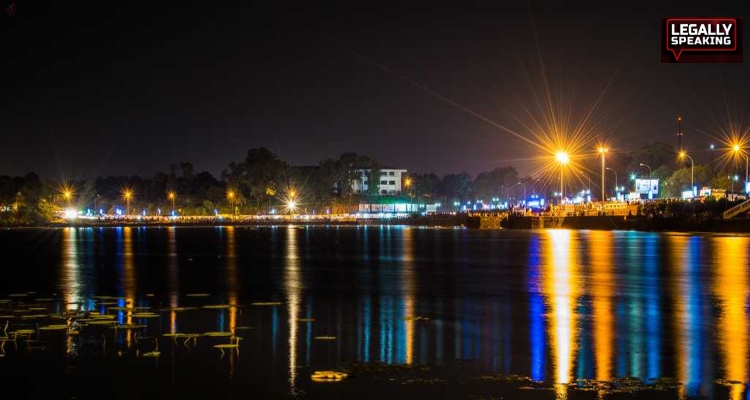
(262, 182)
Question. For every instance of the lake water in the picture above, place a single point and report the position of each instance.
(406, 312)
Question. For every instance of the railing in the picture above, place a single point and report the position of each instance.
(736, 210)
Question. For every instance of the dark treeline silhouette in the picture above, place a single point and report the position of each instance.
(258, 184)
(263, 182)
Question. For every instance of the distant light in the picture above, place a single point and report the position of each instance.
(712, 146)
(71, 213)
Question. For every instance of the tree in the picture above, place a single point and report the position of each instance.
(373, 181)
(487, 184)
(455, 187)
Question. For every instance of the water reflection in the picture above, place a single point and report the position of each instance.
(71, 270)
(536, 311)
(602, 291)
(730, 287)
(600, 305)
(688, 318)
(561, 285)
(293, 288)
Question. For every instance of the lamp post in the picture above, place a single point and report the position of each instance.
(649, 180)
(737, 149)
(683, 154)
(171, 195)
(407, 184)
(562, 158)
(230, 197)
(603, 152)
(524, 191)
(610, 169)
(127, 194)
(67, 195)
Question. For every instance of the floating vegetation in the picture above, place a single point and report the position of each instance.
(244, 328)
(152, 354)
(306, 320)
(120, 308)
(325, 338)
(146, 315)
(42, 299)
(129, 326)
(101, 322)
(34, 316)
(328, 376)
(198, 295)
(53, 328)
(218, 334)
(38, 309)
(234, 343)
(217, 306)
(183, 308)
(103, 316)
(417, 318)
(266, 303)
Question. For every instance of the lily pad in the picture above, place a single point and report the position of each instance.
(146, 315)
(102, 322)
(218, 334)
(53, 328)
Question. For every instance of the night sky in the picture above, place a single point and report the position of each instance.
(99, 88)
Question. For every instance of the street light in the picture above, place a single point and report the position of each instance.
(171, 195)
(736, 148)
(650, 196)
(603, 151)
(67, 195)
(524, 191)
(407, 184)
(127, 194)
(615, 179)
(230, 197)
(562, 158)
(683, 154)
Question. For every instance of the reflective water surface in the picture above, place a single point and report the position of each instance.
(405, 312)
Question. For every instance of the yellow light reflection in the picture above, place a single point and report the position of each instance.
(71, 280)
(730, 286)
(232, 291)
(232, 278)
(602, 289)
(293, 286)
(129, 283)
(407, 282)
(173, 278)
(561, 288)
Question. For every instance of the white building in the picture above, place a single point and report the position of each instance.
(390, 181)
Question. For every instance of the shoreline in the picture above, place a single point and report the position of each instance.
(474, 222)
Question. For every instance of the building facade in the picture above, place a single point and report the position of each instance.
(390, 180)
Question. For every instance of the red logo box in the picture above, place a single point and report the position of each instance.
(701, 40)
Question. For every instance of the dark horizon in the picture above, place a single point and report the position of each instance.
(95, 89)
